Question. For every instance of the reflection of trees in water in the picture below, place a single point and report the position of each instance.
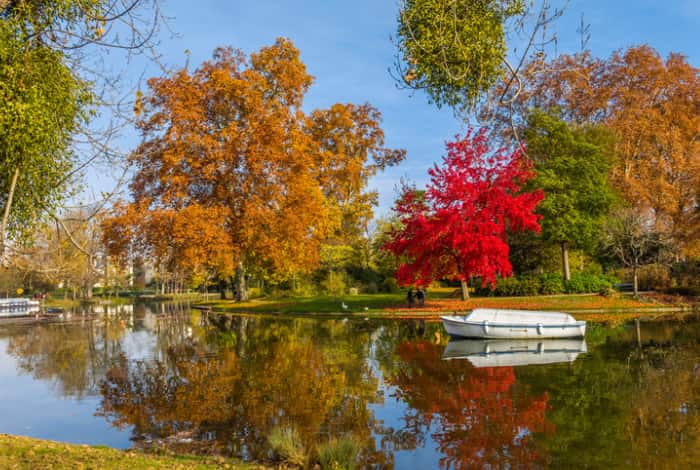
(663, 420)
(663, 423)
(310, 375)
(624, 404)
(478, 417)
(226, 382)
(75, 354)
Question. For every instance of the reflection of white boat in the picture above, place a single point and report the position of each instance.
(18, 307)
(500, 323)
(514, 352)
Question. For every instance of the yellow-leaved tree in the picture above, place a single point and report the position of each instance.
(233, 176)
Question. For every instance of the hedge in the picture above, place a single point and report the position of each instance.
(549, 284)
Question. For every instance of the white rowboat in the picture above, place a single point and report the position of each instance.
(490, 323)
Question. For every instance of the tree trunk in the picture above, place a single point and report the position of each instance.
(88, 290)
(6, 215)
(465, 290)
(222, 288)
(88, 280)
(565, 261)
(635, 283)
(241, 286)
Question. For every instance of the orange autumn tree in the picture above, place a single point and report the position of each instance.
(652, 105)
(232, 175)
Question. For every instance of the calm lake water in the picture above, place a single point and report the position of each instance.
(164, 375)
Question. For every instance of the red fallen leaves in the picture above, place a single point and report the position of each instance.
(564, 302)
(457, 229)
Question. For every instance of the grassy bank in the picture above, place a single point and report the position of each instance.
(438, 301)
(27, 453)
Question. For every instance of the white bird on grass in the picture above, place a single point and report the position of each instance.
(343, 306)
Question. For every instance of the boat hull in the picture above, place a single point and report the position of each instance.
(493, 330)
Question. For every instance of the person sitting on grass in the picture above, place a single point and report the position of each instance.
(410, 299)
(420, 296)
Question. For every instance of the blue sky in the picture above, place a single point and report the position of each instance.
(346, 46)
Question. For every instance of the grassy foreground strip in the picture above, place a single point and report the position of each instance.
(19, 452)
(439, 301)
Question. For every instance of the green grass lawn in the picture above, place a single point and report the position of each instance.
(20, 452)
(316, 304)
(439, 300)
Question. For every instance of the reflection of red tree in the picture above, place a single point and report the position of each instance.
(483, 418)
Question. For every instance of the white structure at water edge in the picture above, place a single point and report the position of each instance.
(489, 323)
(18, 307)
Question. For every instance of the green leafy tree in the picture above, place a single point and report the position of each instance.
(50, 69)
(455, 50)
(573, 168)
(42, 104)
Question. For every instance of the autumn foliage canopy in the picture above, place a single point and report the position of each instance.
(457, 229)
(232, 172)
(652, 106)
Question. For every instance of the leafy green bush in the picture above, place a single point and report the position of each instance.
(334, 284)
(390, 285)
(506, 287)
(583, 283)
(548, 284)
(551, 284)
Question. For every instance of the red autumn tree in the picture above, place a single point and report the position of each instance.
(457, 228)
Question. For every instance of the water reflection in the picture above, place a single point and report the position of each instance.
(478, 417)
(511, 352)
(168, 376)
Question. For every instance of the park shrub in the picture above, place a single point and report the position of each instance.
(576, 285)
(584, 283)
(334, 284)
(610, 292)
(530, 285)
(686, 273)
(551, 284)
(390, 285)
(653, 277)
(370, 288)
(507, 287)
(254, 292)
(546, 284)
